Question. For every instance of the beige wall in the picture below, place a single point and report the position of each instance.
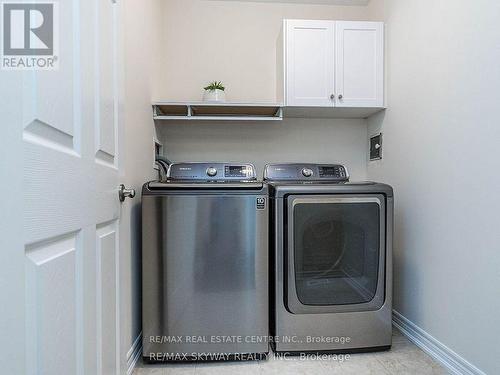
(441, 142)
(234, 42)
(293, 140)
(142, 19)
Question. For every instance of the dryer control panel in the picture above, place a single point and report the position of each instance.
(306, 172)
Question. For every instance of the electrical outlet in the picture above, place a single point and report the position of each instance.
(376, 147)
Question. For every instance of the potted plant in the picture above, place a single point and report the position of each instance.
(214, 92)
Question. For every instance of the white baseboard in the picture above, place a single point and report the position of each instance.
(440, 352)
(134, 354)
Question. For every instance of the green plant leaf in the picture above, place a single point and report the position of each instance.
(215, 85)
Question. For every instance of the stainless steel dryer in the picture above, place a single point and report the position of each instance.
(332, 260)
(205, 264)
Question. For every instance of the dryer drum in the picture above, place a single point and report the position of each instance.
(334, 264)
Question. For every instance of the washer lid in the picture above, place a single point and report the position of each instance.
(204, 185)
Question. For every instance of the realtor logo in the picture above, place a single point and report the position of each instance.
(29, 35)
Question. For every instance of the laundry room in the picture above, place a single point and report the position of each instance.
(249, 186)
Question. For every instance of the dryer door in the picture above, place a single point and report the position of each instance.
(335, 253)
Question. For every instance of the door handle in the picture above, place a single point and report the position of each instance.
(125, 193)
(340, 97)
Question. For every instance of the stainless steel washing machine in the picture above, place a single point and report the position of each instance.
(332, 260)
(205, 264)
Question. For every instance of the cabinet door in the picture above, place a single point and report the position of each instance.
(359, 67)
(309, 63)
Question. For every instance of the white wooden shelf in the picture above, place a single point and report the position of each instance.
(217, 111)
(202, 111)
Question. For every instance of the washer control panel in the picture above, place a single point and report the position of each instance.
(306, 172)
(212, 171)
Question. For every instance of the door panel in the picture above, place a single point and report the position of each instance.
(106, 87)
(52, 295)
(69, 122)
(359, 68)
(336, 252)
(46, 123)
(107, 304)
(309, 63)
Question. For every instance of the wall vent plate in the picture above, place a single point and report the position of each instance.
(376, 147)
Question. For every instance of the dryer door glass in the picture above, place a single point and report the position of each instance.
(336, 253)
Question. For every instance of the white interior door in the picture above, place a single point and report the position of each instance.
(71, 167)
(309, 63)
(359, 67)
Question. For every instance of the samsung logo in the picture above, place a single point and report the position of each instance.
(184, 168)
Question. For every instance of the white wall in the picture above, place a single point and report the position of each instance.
(441, 143)
(235, 42)
(293, 140)
(142, 21)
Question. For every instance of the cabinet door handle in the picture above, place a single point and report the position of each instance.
(332, 96)
(340, 97)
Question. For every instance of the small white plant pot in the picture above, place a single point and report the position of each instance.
(214, 96)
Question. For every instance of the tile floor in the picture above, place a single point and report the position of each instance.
(403, 358)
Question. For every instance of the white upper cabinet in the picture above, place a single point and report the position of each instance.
(331, 64)
(310, 74)
(359, 64)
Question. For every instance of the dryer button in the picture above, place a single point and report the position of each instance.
(306, 172)
(211, 171)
